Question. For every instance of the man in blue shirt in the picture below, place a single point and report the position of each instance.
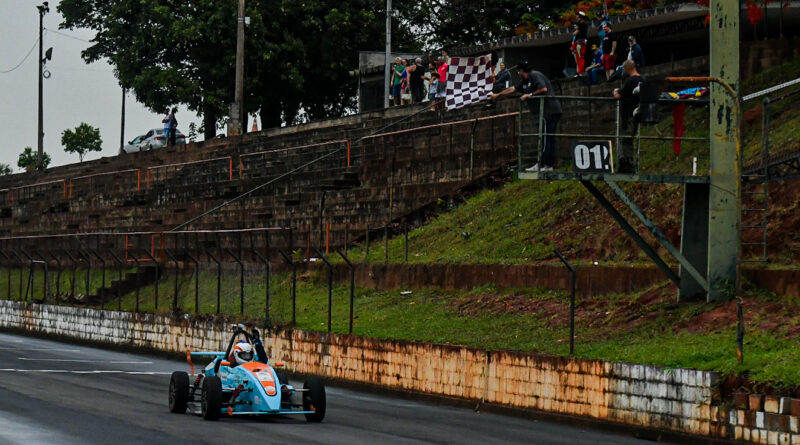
(594, 70)
(635, 52)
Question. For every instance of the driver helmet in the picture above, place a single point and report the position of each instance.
(242, 353)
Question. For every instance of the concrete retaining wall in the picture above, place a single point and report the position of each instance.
(681, 400)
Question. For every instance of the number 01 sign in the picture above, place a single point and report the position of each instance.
(592, 156)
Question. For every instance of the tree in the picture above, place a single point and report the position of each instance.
(82, 140)
(27, 159)
(5, 169)
(297, 55)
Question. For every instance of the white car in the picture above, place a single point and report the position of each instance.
(154, 138)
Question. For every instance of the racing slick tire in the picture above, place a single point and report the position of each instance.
(283, 377)
(314, 399)
(211, 398)
(178, 392)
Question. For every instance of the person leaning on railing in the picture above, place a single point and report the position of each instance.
(534, 83)
(628, 95)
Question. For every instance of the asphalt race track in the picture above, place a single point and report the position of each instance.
(56, 393)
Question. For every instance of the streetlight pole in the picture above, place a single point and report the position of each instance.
(237, 109)
(43, 9)
(387, 67)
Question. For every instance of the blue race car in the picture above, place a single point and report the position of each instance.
(240, 382)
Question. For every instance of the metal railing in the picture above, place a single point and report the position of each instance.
(595, 118)
(77, 269)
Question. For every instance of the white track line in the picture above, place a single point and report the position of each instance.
(116, 362)
(16, 348)
(91, 371)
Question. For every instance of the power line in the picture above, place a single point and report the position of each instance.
(23, 59)
(63, 34)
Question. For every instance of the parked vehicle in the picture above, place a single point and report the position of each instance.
(154, 138)
(133, 145)
(240, 382)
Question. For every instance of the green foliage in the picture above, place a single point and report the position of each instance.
(192, 135)
(82, 140)
(297, 54)
(28, 157)
(5, 169)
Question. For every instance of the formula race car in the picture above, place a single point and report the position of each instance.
(239, 382)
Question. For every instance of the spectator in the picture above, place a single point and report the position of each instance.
(165, 121)
(534, 83)
(578, 47)
(594, 70)
(502, 79)
(434, 90)
(441, 86)
(603, 18)
(173, 128)
(431, 77)
(405, 94)
(609, 50)
(635, 52)
(417, 80)
(628, 96)
(397, 80)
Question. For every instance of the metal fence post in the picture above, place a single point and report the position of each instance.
(617, 148)
(291, 263)
(138, 287)
(366, 254)
(219, 276)
(120, 265)
(542, 131)
(352, 286)
(571, 301)
(175, 294)
(330, 285)
(405, 246)
(158, 277)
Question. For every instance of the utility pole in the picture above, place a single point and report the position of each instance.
(122, 123)
(237, 108)
(725, 191)
(387, 68)
(44, 8)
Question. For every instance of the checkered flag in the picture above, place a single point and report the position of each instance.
(469, 80)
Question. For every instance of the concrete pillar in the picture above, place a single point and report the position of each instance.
(725, 175)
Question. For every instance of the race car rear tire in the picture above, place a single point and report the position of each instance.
(178, 392)
(314, 399)
(283, 377)
(211, 398)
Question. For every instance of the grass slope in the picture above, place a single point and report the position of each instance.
(523, 221)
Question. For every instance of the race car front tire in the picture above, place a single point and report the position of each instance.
(178, 392)
(211, 398)
(314, 399)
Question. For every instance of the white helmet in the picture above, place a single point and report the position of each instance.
(242, 353)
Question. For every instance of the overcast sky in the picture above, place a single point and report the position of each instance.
(75, 93)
